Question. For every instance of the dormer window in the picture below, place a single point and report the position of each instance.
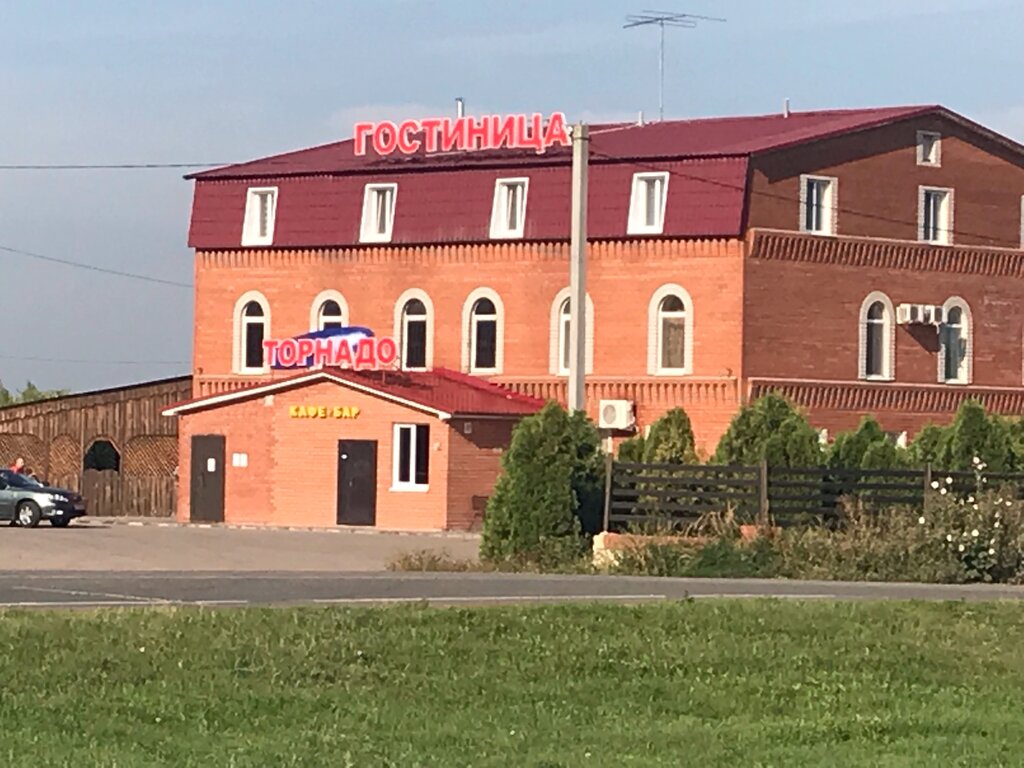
(260, 212)
(647, 204)
(378, 213)
(929, 148)
(508, 214)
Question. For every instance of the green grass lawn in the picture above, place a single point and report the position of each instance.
(700, 683)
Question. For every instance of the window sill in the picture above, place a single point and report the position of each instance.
(506, 235)
(673, 372)
(410, 488)
(955, 383)
(645, 232)
(375, 239)
(484, 372)
(879, 379)
(252, 372)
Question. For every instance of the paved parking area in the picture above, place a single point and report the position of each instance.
(96, 545)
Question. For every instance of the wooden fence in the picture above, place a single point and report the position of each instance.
(676, 494)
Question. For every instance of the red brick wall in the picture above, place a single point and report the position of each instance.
(291, 477)
(802, 320)
(879, 178)
(474, 463)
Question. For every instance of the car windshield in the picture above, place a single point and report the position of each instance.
(19, 481)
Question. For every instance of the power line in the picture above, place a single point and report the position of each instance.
(64, 360)
(775, 195)
(93, 267)
(104, 167)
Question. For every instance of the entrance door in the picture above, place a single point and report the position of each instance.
(357, 482)
(206, 497)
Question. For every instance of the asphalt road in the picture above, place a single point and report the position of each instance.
(28, 589)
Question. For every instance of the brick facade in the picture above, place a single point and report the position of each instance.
(291, 477)
(771, 309)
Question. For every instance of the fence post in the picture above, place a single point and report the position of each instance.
(927, 479)
(609, 468)
(762, 502)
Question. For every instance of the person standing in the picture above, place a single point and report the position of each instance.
(18, 466)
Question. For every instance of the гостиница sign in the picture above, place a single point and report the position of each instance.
(350, 347)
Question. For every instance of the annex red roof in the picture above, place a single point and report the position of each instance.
(442, 392)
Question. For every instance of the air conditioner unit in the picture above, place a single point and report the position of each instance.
(615, 414)
(926, 315)
(907, 314)
(938, 315)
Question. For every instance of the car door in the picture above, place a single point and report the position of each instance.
(7, 498)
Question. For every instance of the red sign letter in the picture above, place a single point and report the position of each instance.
(387, 351)
(385, 138)
(453, 134)
(431, 126)
(556, 132)
(343, 355)
(365, 357)
(288, 353)
(270, 352)
(406, 144)
(361, 130)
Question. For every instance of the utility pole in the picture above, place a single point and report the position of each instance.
(578, 269)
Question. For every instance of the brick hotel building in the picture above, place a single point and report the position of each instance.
(856, 261)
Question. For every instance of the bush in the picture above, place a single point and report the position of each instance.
(551, 490)
(632, 450)
(770, 429)
(973, 433)
(867, 447)
(670, 440)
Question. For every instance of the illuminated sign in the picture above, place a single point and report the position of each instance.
(323, 412)
(447, 134)
(351, 347)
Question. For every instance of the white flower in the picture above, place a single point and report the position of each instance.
(1009, 503)
(920, 520)
(949, 481)
(995, 524)
(142, 649)
(935, 485)
(976, 507)
(942, 491)
(949, 537)
(984, 479)
(961, 547)
(974, 533)
(976, 461)
(991, 551)
(970, 499)
(512, 732)
(998, 501)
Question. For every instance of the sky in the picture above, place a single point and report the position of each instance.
(219, 81)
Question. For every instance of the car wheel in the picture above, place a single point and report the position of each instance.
(60, 522)
(29, 514)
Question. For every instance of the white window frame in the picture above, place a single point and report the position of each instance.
(558, 340)
(654, 355)
(944, 231)
(922, 159)
(411, 485)
(368, 232)
(829, 206)
(238, 330)
(324, 296)
(469, 335)
(405, 298)
(967, 333)
(500, 209)
(637, 224)
(253, 215)
(1022, 221)
(889, 337)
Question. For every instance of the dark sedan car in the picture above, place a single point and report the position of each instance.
(25, 502)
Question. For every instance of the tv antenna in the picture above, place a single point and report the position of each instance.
(664, 19)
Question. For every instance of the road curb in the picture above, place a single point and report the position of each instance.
(164, 523)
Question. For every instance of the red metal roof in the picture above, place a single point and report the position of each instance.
(707, 137)
(447, 198)
(440, 391)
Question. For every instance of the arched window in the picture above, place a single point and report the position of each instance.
(328, 310)
(102, 456)
(877, 338)
(955, 352)
(414, 334)
(670, 332)
(414, 329)
(561, 330)
(483, 332)
(252, 327)
(330, 316)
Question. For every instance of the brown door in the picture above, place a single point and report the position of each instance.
(357, 482)
(206, 498)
